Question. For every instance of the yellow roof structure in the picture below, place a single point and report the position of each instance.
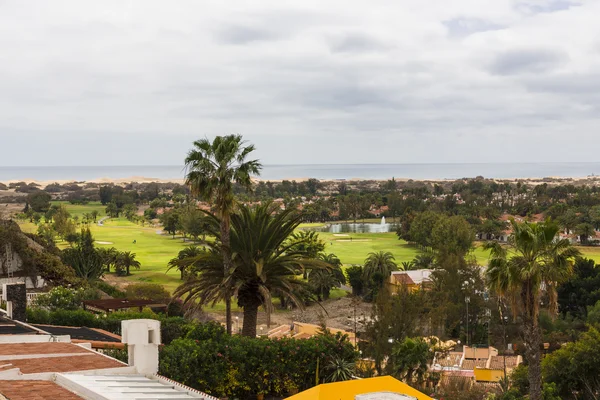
(348, 390)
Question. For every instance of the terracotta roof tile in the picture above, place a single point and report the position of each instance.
(65, 364)
(35, 390)
(16, 349)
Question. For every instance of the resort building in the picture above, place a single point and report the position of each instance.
(378, 388)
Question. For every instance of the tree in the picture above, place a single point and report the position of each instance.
(39, 201)
(307, 243)
(106, 194)
(83, 257)
(185, 259)
(264, 262)
(110, 257)
(380, 262)
(355, 279)
(452, 235)
(409, 359)
(63, 225)
(212, 168)
(584, 231)
(422, 226)
(574, 368)
(322, 280)
(171, 221)
(126, 259)
(568, 220)
(193, 223)
(534, 261)
(581, 290)
(94, 214)
(112, 210)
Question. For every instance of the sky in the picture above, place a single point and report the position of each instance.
(119, 82)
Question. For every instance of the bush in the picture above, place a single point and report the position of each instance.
(211, 361)
(110, 290)
(62, 298)
(148, 291)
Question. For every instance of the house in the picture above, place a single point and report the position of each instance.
(12, 269)
(412, 280)
(477, 364)
(36, 365)
(381, 387)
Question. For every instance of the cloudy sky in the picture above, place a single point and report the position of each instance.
(308, 81)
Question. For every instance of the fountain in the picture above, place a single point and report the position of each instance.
(382, 220)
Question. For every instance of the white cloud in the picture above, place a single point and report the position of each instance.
(306, 81)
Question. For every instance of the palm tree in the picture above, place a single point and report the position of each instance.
(264, 262)
(424, 260)
(340, 370)
(533, 263)
(381, 263)
(212, 168)
(127, 260)
(323, 279)
(185, 259)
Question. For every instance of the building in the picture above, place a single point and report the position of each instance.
(412, 280)
(477, 364)
(378, 388)
(37, 365)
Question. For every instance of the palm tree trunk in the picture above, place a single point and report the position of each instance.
(226, 267)
(250, 318)
(533, 342)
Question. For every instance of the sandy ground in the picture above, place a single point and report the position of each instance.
(338, 313)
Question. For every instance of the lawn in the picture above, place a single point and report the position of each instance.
(80, 209)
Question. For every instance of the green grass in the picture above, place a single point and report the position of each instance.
(80, 209)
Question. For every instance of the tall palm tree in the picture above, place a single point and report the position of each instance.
(533, 263)
(127, 260)
(212, 169)
(381, 262)
(264, 262)
(185, 259)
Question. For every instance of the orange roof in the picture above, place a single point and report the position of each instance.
(65, 364)
(54, 357)
(19, 349)
(348, 390)
(35, 390)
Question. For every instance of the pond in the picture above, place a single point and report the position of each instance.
(357, 228)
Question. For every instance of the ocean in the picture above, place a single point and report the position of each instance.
(319, 171)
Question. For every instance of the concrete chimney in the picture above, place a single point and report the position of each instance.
(142, 337)
(15, 296)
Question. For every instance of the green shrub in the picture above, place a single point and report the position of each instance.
(62, 298)
(148, 291)
(110, 290)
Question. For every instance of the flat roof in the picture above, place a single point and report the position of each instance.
(10, 327)
(80, 333)
(126, 387)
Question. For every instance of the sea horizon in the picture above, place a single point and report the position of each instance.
(365, 171)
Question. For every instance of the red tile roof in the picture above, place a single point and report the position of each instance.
(65, 364)
(46, 357)
(18, 349)
(35, 390)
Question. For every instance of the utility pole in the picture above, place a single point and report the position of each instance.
(467, 300)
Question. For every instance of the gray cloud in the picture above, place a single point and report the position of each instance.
(243, 35)
(462, 26)
(356, 42)
(545, 6)
(377, 82)
(526, 61)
